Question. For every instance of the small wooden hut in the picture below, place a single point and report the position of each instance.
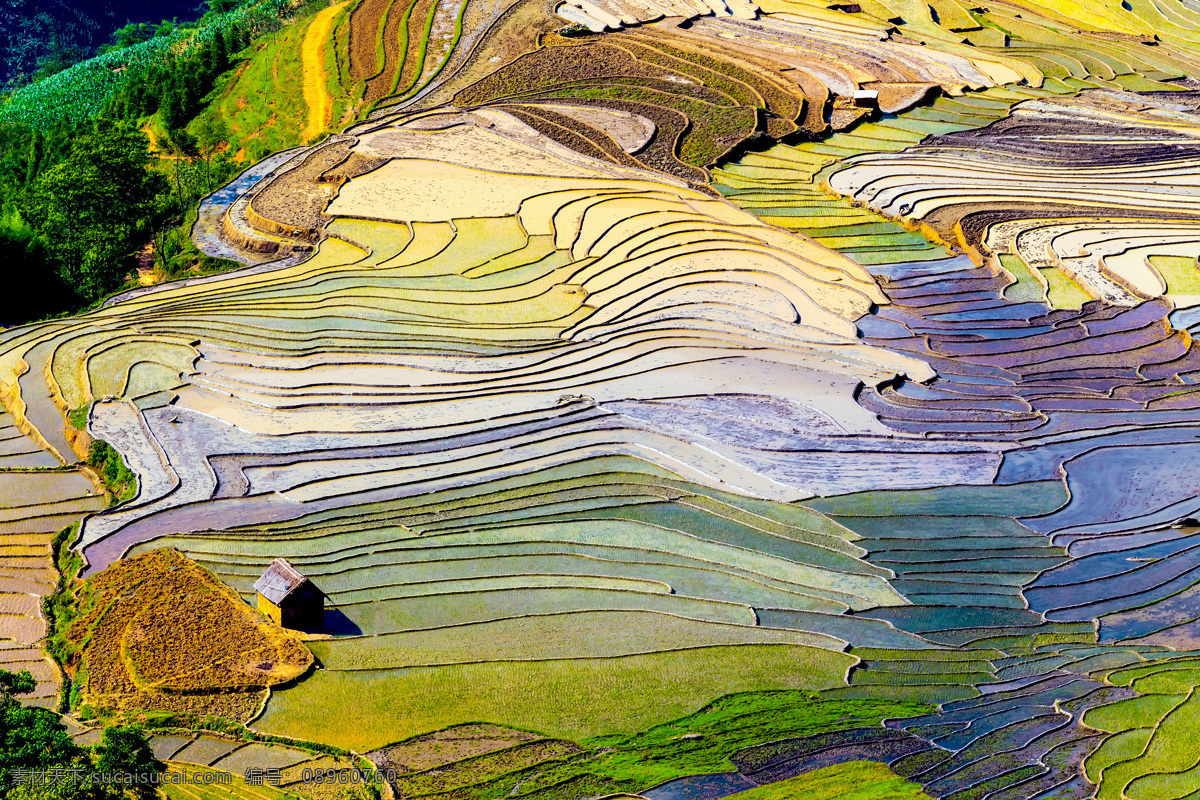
(289, 598)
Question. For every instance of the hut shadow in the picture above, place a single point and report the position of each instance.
(337, 624)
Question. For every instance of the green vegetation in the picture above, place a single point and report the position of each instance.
(157, 639)
(61, 607)
(40, 39)
(33, 740)
(125, 750)
(108, 463)
(1180, 273)
(1148, 753)
(698, 744)
(573, 698)
(91, 209)
(857, 780)
(260, 101)
(30, 738)
(235, 789)
(1027, 289)
(77, 200)
(703, 742)
(1062, 292)
(82, 91)
(114, 153)
(936, 559)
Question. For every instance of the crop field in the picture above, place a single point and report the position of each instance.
(216, 770)
(572, 698)
(80, 91)
(158, 632)
(235, 790)
(225, 780)
(855, 780)
(34, 506)
(672, 399)
(481, 761)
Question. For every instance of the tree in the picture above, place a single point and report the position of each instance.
(212, 131)
(174, 112)
(30, 738)
(35, 158)
(33, 286)
(13, 683)
(131, 34)
(34, 740)
(193, 81)
(233, 39)
(91, 208)
(220, 56)
(125, 751)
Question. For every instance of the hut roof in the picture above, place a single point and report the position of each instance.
(279, 581)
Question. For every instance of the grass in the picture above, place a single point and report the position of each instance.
(584, 634)
(1062, 292)
(856, 780)
(1027, 289)
(118, 479)
(261, 100)
(1179, 272)
(573, 699)
(60, 608)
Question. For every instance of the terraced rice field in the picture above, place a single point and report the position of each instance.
(852, 781)
(34, 506)
(695, 400)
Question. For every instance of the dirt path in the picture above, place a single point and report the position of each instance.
(145, 265)
(156, 147)
(312, 56)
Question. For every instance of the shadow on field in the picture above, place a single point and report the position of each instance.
(338, 624)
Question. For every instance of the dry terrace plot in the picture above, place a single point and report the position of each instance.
(159, 632)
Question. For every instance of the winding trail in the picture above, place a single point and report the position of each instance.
(312, 55)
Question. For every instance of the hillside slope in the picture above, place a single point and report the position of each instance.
(722, 392)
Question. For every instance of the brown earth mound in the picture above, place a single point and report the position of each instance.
(160, 632)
